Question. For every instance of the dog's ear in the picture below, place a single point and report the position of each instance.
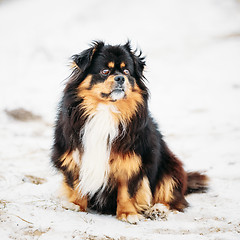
(83, 60)
(138, 59)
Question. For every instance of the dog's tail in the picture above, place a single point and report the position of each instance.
(197, 182)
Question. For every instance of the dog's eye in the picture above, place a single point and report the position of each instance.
(126, 72)
(105, 72)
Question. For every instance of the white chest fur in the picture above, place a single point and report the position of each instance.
(98, 134)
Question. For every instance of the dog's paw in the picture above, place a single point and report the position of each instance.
(158, 211)
(130, 218)
(71, 206)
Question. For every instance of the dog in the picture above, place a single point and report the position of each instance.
(107, 145)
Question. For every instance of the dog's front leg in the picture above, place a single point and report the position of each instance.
(126, 210)
(74, 196)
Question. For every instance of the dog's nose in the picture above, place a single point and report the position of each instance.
(119, 79)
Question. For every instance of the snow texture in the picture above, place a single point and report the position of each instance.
(193, 68)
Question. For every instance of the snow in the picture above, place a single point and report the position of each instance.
(193, 56)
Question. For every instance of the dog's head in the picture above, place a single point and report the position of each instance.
(109, 73)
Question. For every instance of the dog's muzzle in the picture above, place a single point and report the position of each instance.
(118, 91)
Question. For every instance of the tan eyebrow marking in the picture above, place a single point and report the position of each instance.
(122, 65)
(111, 64)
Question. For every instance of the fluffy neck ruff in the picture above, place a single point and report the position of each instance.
(97, 136)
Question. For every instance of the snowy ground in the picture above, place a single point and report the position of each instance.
(193, 58)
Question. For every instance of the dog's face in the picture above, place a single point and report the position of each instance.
(111, 73)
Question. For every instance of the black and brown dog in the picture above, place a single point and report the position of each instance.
(107, 145)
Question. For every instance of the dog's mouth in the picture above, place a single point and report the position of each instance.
(116, 94)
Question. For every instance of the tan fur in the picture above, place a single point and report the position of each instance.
(122, 65)
(93, 51)
(125, 206)
(73, 194)
(104, 87)
(164, 191)
(85, 84)
(74, 65)
(143, 197)
(92, 96)
(68, 161)
(125, 108)
(128, 106)
(75, 197)
(124, 166)
(111, 64)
